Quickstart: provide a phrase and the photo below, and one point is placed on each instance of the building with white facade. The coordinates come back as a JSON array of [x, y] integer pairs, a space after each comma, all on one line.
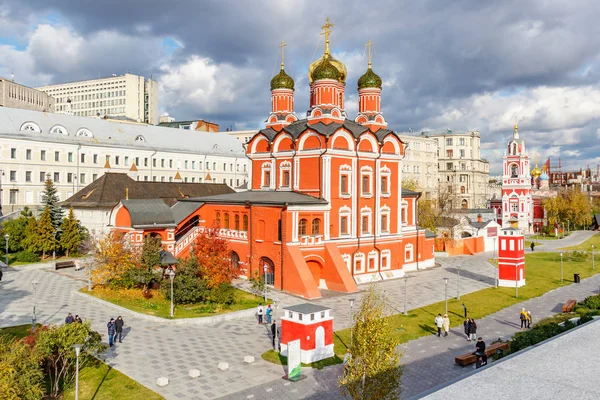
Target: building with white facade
[[129, 96], [420, 164], [14, 95], [74, 151], [461, 169]]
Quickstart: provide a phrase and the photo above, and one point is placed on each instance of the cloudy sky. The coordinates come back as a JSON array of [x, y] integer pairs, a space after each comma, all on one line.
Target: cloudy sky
[[456, 65]]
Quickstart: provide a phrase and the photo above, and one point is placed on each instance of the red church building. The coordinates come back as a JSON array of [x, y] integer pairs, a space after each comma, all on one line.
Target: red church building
[[325, 207]]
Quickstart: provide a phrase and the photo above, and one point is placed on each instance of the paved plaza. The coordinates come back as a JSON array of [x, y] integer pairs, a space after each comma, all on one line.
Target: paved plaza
[[150, 350]]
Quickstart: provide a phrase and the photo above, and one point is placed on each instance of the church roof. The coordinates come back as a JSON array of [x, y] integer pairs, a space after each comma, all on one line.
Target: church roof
[[262, 197], [149, 213], [295, 129], [93, 131], [110, 188]]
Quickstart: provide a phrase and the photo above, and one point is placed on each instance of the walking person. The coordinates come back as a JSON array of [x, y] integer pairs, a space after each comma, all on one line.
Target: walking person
[[111, 331], [467, 326], [532, 246], [439, 322], [529, 319], [446, 324], [472, 329], [119, 328], [260, 311], [69, 319], [269, 314], [274, 332], [347, 358], [523, 318]]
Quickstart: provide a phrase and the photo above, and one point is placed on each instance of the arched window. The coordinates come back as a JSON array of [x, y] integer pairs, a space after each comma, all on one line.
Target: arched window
[[365, 224], [302, 227], [226, 222], [464, 204], [316, 226], [514, 171], [245, 223], [384, 223], [514, 149], [236, 222], [218, 219], [235, 260], [344, 225]]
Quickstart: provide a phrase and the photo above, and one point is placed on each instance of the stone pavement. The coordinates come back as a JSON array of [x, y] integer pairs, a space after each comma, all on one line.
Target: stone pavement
[[150, 350], [575, 238]]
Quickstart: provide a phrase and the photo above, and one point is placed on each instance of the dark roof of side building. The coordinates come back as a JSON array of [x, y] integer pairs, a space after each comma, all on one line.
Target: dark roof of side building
[[306, 308], [149, 213], [261, 197], [111, 188], [183, 209]]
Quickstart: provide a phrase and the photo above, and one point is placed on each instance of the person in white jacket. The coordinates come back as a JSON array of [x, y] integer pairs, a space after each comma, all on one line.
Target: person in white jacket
[[439, 322]]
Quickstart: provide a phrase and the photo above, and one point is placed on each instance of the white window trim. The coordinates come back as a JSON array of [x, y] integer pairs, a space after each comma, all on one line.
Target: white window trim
[[366, 171], [285, 166], [345, 212], [372, 256], [366, 212], [409, 248], [347, 171], [386, 255], [359, 257], [385, 210], [404, 210], [385, 172], [266, 167]]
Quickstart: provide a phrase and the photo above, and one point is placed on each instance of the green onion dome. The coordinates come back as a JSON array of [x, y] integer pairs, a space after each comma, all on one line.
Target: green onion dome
[[325, 70], [282, 81], [369, 80]]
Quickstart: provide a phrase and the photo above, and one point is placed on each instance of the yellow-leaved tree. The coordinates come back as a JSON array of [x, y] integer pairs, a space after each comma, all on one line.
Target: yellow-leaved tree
[[113, 257], [374, 370]]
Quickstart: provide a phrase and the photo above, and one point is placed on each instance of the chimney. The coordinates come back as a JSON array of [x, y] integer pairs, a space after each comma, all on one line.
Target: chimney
[[126, 193]]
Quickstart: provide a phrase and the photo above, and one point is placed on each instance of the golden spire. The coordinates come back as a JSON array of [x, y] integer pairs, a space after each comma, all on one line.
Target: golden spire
[[369, 45], [516, 125], [326, 31], [281, 46]]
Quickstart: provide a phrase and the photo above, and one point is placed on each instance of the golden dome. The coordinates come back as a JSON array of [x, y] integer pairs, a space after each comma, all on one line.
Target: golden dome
[[327, 55], [536, 171]]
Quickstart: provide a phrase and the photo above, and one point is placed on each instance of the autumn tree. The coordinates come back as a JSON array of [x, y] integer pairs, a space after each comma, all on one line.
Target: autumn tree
[[70, 240], [50, 201], [213, 256], [29, 241], [45, 241], [410, 184], [21, 377], [374, 371], [149, 259], [113, 258], [55, 347], [568, 205]]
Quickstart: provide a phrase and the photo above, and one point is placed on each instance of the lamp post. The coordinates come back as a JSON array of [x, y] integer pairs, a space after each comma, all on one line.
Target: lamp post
[[458, 282], [496, 269], [54, 249], [276, 303], [351, 301], [561, 267], [6, 238], [446, 293], [77, 348], [265, 282], [405, 294], [592, 257], [516, 281], [171, 277], [33, 317]]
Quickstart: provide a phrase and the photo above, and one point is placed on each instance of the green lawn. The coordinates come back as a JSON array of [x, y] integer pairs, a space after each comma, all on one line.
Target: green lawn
[[273, 357], [98, 381], [587, 245], [159, 306], [542, 274]]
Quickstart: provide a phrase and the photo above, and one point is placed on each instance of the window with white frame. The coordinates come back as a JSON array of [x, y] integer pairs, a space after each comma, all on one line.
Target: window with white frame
[[359, 263], [284, 174], [372, 261], [404, 213], [365, 218], [385, 219], [345, 213], [345, 176], [366, 175], [266, 175], [386, 260], [408, 253], [385, 181]]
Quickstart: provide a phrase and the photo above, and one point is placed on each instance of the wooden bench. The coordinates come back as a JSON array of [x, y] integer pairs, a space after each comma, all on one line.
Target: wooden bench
[[470, 358], [64, 264], [568, 306]]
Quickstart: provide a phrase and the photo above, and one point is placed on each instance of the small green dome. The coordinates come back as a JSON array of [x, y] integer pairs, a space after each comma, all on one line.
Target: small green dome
[[325, 70], [282, 81], [369, 80]]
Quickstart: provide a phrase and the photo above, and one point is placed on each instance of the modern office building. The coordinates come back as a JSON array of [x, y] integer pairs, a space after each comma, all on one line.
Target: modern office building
[[14, 95], [462, 171], [74, 151], [128, 96]]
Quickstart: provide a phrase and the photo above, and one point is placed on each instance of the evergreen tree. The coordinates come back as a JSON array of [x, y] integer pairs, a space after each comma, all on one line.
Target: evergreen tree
[[46, 234], [151, 252], [16, 230], [70, 239], [29, 241], [50, 201]]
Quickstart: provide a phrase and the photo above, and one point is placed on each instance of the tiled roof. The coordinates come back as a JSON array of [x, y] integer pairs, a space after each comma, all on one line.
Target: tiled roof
[[149, 212], [261, 197], [297, 128], [306, 308]]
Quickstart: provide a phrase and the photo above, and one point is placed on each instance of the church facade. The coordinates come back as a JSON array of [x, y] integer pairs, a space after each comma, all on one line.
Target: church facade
[[325, 207]]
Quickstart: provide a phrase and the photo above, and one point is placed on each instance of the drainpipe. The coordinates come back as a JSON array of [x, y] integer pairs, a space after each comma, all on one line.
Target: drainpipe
[[249, 207], [285, 206], [358, 232], [375, 210]]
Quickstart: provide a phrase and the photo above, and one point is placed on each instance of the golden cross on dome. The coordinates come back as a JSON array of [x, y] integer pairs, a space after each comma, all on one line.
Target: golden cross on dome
[[516, 124], [326, 31], [369, 45], [281, 46]]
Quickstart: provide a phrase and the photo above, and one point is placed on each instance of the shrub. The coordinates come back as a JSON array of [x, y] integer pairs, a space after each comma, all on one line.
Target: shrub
[[544, 329], [578, 255], [584, 318], [222, 294], [591, 302], [27, 256], [187, 288]]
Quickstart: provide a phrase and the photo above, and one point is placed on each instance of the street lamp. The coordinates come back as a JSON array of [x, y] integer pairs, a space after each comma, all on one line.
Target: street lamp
[[276, 341], [405, 294], [561, 266], [351, 301], [33, 318], [446, 293], [77, 348], [171, 274], [458, 282], [592, 257], [496, 269], [516, 281], [6, 237], [265, 282]]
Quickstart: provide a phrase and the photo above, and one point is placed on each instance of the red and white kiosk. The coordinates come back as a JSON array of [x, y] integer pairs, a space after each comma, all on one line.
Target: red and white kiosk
[[511, 258], [313, 326]]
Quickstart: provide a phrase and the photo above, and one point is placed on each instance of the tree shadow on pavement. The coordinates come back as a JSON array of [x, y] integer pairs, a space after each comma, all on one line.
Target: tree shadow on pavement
[[465, 273]]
